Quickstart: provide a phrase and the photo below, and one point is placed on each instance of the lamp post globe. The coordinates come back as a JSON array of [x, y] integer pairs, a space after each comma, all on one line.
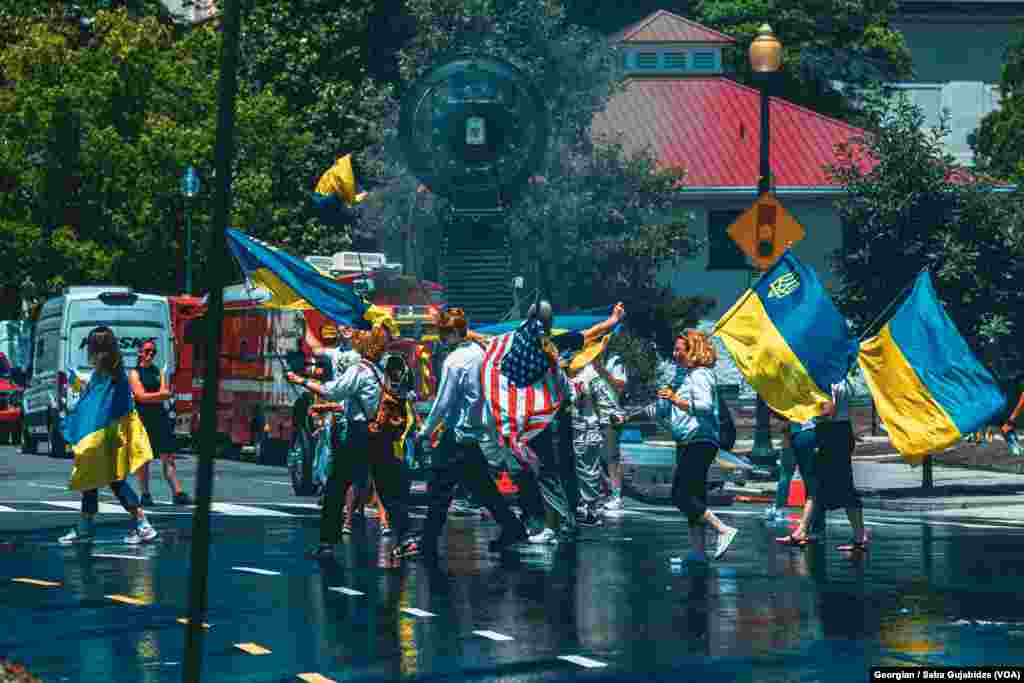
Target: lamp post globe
[[765, 51]]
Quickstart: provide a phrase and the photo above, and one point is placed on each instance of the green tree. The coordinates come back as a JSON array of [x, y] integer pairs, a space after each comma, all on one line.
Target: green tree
[[825, 42], [907, 206], [996, 143], [597, 225]]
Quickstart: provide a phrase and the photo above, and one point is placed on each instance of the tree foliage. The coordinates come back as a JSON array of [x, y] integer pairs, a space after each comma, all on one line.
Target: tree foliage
[[997, 142], [596, 225], [825, 43], [907, 206]]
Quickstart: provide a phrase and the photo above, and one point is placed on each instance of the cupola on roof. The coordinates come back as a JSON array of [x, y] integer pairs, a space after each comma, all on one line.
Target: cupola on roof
[[665, 27]]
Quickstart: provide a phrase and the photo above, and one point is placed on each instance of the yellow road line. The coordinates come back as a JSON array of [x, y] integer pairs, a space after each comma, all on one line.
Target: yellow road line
[[183, 620], [252, 648], [38, 582], [126, 599]]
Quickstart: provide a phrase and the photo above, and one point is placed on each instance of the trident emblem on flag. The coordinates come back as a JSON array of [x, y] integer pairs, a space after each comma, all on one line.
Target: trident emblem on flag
[[784, 285]]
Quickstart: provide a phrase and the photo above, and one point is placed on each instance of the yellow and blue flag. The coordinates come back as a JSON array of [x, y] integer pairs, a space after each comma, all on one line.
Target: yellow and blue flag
[[106, 434], [789, 340], [929, 389], [337, 189], [295, 284]]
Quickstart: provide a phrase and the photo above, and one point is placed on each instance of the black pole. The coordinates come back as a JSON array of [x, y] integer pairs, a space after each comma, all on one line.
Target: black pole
[[218, 267], [762, 429], [926, 473]]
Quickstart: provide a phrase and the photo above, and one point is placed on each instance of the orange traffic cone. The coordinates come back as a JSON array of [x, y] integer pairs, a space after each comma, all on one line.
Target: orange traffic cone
[[797, 492], [505, 484]]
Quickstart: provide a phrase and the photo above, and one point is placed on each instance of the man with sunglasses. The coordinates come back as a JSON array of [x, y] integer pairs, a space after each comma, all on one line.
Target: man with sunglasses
[[149, 386]]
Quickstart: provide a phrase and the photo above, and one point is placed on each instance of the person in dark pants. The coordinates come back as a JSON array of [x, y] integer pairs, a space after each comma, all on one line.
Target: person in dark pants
[[368, 442], [459, 405], [690, 407], [835, 467], [149, 386]]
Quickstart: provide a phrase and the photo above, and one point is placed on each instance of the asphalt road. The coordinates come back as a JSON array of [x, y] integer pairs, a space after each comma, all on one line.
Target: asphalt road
[[611, 605]]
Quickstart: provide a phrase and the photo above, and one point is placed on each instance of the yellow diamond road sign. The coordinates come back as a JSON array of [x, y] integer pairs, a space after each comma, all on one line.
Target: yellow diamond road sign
[[763, 231]]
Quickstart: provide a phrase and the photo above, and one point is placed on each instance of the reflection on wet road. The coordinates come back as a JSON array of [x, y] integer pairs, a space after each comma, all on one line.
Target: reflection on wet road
[[611, 604]]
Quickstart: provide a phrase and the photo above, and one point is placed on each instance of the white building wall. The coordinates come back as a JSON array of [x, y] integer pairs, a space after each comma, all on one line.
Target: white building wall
[[823, 236]]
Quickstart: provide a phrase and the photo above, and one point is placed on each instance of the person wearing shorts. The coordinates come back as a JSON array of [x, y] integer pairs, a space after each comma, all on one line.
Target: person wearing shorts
[[804, 448]]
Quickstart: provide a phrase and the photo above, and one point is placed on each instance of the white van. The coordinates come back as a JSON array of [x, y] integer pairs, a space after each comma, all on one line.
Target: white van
[[59, 351]]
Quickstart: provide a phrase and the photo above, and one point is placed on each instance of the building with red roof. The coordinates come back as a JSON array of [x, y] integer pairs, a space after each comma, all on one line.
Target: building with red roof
[[678, 103]]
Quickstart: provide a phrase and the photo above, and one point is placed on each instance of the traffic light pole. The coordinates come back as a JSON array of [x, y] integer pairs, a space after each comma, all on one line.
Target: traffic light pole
[[762, 429], [219, 267]]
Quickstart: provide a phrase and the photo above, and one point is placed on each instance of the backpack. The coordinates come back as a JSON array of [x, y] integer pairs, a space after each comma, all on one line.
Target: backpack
[[726, 425], [390, 419]]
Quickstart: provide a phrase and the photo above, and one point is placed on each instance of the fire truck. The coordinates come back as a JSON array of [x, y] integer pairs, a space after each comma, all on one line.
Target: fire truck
[[260, 345]]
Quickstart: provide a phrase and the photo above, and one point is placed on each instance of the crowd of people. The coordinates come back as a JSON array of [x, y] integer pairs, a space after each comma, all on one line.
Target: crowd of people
[[567, 452]]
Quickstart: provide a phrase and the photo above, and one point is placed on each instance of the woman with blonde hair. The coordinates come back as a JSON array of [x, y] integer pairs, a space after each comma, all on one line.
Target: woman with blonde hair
[[689, 406]]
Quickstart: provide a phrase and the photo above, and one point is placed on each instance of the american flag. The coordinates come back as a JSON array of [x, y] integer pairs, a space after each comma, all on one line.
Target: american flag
[[517, 413]]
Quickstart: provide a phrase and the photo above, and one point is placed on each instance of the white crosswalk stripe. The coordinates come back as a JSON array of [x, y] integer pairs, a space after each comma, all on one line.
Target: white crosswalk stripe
[[232, 509]]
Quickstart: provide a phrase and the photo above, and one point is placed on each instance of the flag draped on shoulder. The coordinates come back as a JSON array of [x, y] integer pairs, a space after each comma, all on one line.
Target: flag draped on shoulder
[[295, 284], [522, 397], [928, 387], [789, 340], [336, 189], [106, 434]]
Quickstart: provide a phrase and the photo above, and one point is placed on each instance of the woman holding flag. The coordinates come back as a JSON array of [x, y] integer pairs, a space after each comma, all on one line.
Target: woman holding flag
[[109, 440]]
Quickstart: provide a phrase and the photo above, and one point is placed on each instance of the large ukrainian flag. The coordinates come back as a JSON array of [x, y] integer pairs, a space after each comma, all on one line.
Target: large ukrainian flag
[[106, 434], [295, 284], [335, 190], [928, 387], [789, 341]]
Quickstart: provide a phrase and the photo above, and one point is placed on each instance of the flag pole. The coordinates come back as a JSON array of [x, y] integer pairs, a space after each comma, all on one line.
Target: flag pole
[[899, 298], [200, 551]]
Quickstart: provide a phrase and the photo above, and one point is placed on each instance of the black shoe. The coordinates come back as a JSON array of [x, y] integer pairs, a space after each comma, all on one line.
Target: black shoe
[[507, 539], [589, 520], [146, 500], [182, 499]]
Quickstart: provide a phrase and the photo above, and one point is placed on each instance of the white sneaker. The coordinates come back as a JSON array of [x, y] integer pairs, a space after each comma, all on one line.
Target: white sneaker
[[614, 505], [142, 534], [75, 536], [542, 537], [724, 541]]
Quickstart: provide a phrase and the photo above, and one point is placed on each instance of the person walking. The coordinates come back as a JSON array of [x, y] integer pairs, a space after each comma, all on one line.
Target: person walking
[[108, 440], [150, 389], [690, 408], [460, 460], [835, 465], [803, 442], [375, 413], [611, 371]]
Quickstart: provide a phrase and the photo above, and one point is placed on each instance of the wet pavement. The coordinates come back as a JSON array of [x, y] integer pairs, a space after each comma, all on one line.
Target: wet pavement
[[608, 606]]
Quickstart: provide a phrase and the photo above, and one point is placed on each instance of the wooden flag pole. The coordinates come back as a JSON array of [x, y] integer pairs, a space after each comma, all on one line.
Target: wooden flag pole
[[218, 267]]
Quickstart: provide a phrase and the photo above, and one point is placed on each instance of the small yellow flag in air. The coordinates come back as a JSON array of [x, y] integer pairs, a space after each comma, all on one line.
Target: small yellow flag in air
[[340, 181]]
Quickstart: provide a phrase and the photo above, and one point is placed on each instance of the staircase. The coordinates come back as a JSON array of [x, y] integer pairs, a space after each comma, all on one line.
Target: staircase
[[476, 269]]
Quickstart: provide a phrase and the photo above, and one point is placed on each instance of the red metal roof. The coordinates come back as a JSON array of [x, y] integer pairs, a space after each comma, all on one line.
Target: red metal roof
[[666, 27], [712, 128]]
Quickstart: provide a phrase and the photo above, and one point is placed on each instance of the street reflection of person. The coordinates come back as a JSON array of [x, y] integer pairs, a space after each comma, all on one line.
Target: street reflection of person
[[835, 466], [99, 460], [149, 386], [364, 393], [459, 459], [689, 406], [532, 357]]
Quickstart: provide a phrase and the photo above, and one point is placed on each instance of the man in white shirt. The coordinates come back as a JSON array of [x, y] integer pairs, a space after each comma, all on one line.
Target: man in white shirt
[[360, 389], [611, 371], [460, 460]]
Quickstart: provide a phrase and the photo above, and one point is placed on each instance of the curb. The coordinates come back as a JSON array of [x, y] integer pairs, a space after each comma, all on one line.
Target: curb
[[938, 505]]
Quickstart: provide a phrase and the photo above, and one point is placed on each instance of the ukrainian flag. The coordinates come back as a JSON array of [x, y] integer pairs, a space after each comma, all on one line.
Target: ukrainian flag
[[295, 284], [928, 387], [336, 189], [105, 433], [789, 341]]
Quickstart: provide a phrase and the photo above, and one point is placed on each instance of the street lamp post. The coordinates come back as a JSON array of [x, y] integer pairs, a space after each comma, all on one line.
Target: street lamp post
[[189, 189], [765, 61]]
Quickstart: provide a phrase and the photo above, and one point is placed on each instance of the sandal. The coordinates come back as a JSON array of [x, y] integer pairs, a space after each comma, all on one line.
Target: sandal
[[854, 546]]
